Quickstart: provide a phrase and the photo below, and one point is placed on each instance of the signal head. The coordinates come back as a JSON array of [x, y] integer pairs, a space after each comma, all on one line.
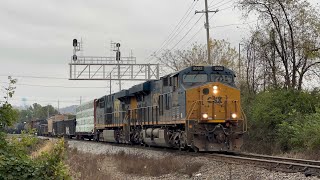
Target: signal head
[[75, 42]]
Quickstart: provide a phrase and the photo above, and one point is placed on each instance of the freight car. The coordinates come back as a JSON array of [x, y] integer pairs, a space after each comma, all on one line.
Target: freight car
[[43, 130], [64, 128], [85, 120], [51, 120], [196, 108]]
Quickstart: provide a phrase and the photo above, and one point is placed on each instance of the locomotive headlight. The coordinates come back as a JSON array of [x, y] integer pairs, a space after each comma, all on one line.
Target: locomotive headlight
[[205, 116], [215, 89], [234, 115]]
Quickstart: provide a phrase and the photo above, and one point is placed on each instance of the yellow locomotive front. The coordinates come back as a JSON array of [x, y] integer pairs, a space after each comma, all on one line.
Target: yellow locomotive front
[[215, 121]]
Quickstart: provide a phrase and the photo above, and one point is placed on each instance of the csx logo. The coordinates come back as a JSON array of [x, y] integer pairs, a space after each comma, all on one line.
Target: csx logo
[[216, 100]]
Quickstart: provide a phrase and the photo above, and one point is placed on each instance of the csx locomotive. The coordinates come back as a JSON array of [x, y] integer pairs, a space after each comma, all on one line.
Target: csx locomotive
[[196, 108]]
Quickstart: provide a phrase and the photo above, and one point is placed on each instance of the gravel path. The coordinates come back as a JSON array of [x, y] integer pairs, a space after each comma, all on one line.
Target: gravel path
[[211, 169]]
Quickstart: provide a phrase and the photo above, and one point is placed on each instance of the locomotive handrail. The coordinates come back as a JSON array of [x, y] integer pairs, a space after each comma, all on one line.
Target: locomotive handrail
[[192, 105], [245, 127]]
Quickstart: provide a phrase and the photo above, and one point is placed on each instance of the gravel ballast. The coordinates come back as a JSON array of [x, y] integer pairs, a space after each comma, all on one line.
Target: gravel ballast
[[211, 168]]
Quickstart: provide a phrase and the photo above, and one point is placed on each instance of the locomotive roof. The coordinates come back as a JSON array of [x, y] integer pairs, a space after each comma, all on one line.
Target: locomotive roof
[[206, 69], [146, 85]]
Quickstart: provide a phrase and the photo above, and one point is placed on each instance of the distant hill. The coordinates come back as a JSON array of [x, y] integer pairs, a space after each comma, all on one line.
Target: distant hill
[[69, 109], [20, 107]]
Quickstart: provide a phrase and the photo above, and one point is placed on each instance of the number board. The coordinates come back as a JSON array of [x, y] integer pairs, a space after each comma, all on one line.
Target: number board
[[197, 68], [218, 68]]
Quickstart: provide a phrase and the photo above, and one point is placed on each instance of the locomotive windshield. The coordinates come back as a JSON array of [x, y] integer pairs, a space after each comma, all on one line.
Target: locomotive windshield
[[195, 78], [223, 78]]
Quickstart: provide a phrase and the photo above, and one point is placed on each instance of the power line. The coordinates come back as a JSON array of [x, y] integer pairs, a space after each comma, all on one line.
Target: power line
[[158, 51], [187, 32], [226, 25], [220, 4], [48, 98], [216, 3], [47, 86], [226, 8], [36, 77], [177, 27], [192, 28], [195, 34], [174, 37], [35, 100]]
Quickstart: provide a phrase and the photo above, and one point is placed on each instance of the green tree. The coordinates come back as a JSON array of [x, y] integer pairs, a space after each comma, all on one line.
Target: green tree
[[283, 50], [8, 115], [222, 54], [36, 111], [279, 120]]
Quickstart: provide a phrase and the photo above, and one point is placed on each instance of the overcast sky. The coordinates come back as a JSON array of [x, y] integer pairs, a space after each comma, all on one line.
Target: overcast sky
[[36, 39]]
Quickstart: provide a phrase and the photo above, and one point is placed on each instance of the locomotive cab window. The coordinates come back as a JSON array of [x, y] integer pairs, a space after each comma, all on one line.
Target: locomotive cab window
[[223, 78], [101, 104], [175, 83], [195, 78]]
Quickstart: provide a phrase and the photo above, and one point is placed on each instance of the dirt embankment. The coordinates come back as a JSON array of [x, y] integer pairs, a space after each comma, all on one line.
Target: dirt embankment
[[88, 160]]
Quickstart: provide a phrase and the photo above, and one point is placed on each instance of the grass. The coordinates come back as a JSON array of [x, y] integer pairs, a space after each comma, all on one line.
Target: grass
[[141, 165], [85, 165], [312, 155], [93, 166], [44, 146]]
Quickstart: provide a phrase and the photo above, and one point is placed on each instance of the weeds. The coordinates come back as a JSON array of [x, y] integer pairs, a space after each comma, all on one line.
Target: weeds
[[91, 166], [141, 165], [85, 165]]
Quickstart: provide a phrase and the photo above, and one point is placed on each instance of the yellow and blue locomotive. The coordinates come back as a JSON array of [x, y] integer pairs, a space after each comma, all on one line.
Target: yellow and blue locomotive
[[196, 108]]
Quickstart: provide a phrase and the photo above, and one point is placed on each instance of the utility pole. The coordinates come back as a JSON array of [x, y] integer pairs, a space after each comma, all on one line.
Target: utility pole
[[48, 111], [58, 106], [240, 60], [206, 25], [110, 84], [80, 99]]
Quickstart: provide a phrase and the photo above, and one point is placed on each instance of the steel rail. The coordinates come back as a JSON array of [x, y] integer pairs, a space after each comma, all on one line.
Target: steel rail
[[278, 158], [277, 163], [272, 163]]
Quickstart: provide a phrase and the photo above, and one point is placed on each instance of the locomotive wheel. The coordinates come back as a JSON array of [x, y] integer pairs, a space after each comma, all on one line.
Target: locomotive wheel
[[195, 149]]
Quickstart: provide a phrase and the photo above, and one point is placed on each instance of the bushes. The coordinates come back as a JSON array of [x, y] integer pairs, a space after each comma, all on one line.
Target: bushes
[[283, 120], [16, 163]]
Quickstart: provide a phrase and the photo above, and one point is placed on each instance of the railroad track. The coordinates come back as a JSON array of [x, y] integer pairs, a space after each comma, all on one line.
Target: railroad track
[[275, 163]]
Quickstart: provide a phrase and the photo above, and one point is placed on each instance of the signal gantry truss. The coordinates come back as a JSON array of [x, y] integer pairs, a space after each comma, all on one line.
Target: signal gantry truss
[[108, 68]]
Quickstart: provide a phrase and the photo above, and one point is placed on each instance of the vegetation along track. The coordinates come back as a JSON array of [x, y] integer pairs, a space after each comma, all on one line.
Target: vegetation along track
[[275, 163]]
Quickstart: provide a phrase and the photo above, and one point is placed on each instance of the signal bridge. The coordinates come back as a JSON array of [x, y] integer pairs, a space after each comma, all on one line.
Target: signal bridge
[[107, 68], [110, 68]]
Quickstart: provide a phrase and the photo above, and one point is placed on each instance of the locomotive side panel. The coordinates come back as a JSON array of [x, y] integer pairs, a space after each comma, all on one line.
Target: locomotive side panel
[[100, 112], [198, 108]]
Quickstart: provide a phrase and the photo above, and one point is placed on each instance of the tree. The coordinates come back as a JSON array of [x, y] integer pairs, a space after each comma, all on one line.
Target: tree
[[222, 54], [36, 111], [8, 115], [286, 42]]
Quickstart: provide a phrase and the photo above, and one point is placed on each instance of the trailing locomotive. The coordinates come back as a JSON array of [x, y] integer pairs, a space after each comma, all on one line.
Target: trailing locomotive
[[196, 108]]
